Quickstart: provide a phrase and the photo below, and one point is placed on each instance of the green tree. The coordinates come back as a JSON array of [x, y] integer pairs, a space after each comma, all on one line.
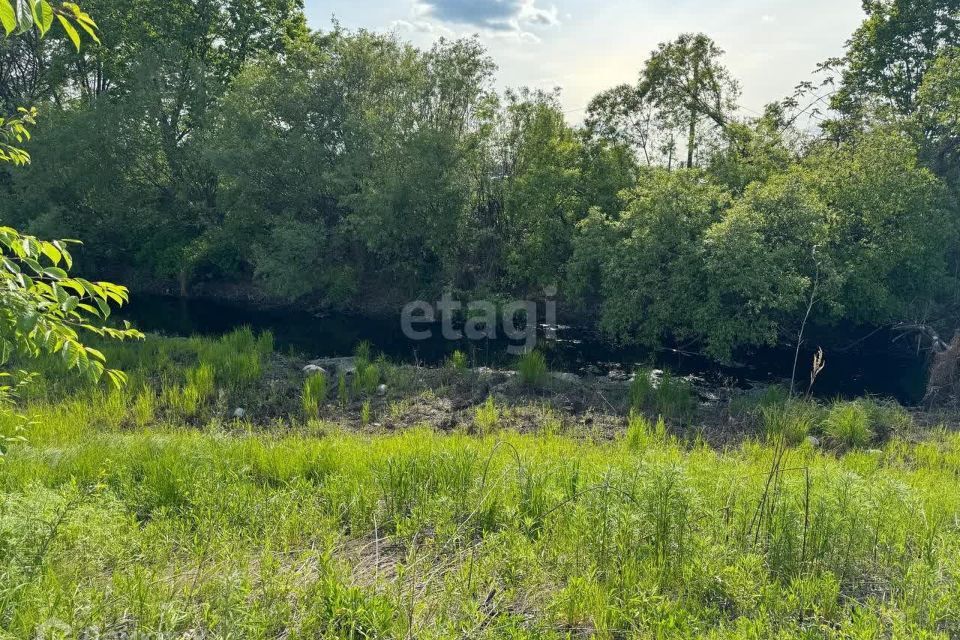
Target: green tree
[[685, 81], [42, 309], [889, 54]]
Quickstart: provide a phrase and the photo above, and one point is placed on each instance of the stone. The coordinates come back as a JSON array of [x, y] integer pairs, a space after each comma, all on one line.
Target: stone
[[347, 366], [382, 390], [312, 370], [239, 413], [563, 376], [813, 441]]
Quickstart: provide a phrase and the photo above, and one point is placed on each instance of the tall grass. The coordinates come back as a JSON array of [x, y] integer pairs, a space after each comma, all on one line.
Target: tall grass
[[157, 528], [410, 534], [314, 394], [671, 397], [848, 424], [532, 369]]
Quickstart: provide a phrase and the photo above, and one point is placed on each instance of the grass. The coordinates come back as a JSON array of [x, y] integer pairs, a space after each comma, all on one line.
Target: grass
[[532, 369], [458, 361], [670, 396], [120, 519], [314, 394], [848, 424]]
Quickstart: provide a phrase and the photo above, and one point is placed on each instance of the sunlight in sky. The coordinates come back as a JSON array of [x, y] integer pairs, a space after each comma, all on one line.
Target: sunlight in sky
[[586, 47]]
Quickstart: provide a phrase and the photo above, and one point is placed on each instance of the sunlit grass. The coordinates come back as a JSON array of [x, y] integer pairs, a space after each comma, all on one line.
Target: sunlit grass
[[122, 515]]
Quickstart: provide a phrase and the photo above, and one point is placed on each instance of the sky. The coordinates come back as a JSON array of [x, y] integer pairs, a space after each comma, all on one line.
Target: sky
[[586, 47]]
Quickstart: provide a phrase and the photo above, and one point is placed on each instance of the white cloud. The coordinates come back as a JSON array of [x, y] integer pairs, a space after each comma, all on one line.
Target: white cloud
[[508, 19]]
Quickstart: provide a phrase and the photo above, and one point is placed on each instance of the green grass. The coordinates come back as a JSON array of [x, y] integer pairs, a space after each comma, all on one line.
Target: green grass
[[118, 517], [458, 361], [314, 394], [532, 369], [848, 424], [670, 397]]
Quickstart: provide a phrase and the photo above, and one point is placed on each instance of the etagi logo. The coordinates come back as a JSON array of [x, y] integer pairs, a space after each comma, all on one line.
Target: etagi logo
[[518, 319]]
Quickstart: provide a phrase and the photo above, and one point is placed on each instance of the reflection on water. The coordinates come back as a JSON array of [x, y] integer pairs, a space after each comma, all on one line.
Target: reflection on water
[[872, 366]]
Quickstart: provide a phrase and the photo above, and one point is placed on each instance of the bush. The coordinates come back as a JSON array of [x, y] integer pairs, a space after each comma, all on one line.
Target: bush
[[314, 394], [848, 424], [532, 368]]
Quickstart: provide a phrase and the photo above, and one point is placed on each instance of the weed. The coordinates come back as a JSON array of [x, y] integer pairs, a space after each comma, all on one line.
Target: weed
[[458, 361], [144, 407], [792, 420], [487, 416], [672, 398], [532, 368], [314, 394], [848, 424]]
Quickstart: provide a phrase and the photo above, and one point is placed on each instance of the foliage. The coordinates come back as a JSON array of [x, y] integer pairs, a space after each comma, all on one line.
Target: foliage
[[314, 394], [666, 396], [353, 170], [532, 369], [44, 310], [848, 424], [748, 541]]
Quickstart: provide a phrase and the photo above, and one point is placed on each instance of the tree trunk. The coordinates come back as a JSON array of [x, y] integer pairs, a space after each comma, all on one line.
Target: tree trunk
[[695, 93]]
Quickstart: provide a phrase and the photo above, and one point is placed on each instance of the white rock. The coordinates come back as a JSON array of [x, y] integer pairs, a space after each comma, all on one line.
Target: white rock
[[565, 377], [382, 390], [239, 413], [813, 441], [312, 369]]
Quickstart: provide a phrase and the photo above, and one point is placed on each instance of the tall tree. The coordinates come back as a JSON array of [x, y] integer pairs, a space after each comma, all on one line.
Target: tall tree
[[686, 82], [890, 53]]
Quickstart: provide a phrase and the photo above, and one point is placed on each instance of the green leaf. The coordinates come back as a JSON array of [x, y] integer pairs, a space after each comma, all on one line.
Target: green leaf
[[56, 273], [8, 17], [43, 16], [71, 31], [24, 16], [90, 31]]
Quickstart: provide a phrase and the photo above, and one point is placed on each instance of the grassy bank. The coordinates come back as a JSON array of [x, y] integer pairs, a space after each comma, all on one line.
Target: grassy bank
[[152, 511]]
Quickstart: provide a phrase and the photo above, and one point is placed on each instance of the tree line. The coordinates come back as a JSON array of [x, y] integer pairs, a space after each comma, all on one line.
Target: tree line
[[221, 144]]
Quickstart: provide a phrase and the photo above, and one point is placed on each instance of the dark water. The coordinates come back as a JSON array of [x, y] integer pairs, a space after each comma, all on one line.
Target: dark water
[[867, 363]]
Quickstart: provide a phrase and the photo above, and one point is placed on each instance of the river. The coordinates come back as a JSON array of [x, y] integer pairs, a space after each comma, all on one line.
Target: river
[[868, 364]]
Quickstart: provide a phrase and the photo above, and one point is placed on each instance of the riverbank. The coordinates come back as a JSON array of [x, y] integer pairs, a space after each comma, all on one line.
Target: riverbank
[[208, 499]]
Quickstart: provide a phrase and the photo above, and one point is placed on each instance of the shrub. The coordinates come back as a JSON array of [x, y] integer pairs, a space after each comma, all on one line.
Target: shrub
[[314, 394], [848, 424], [532, 368], [365, 413]]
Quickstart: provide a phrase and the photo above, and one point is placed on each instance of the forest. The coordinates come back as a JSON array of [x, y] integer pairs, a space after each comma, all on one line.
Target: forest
[[184, 486], [222, 148]]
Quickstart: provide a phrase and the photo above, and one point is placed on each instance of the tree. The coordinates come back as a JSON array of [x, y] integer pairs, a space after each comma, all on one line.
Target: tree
[[686, 83], [889, 54], [42, 309]]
